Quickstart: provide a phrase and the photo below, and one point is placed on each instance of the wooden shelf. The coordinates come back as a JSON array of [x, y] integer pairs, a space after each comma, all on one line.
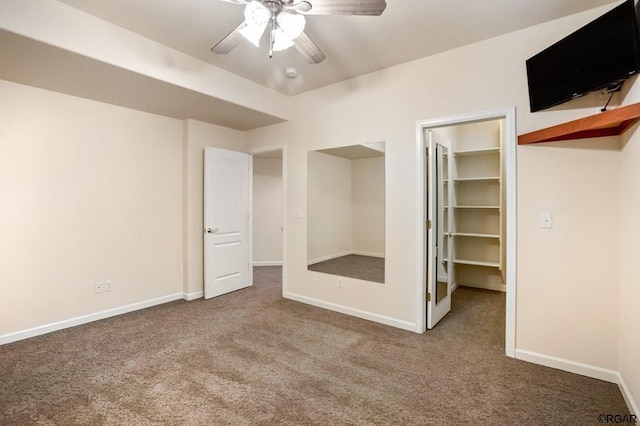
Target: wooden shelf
[[610, 123]]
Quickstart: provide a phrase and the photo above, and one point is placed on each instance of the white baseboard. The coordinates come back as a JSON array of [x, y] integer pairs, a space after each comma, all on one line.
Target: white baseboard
[[193, 295], [405, 325], [487, 286], [366, 253], [344, 253], [267, 263], [628, 398], [72, 322], [584, 370], [329, 257], [570, 366]]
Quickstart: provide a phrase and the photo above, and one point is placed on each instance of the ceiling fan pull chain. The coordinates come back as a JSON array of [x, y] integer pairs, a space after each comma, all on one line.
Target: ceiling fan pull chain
[[271, 40]]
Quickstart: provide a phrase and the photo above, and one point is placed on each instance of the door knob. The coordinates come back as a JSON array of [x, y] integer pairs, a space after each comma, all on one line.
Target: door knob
[[211, 231]]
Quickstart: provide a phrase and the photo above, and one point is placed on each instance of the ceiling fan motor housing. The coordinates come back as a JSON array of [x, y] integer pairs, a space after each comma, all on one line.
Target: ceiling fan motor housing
[[274, 6]]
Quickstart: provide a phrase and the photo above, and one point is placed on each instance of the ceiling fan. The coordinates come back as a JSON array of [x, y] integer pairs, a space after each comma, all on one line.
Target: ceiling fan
[[285, 20]]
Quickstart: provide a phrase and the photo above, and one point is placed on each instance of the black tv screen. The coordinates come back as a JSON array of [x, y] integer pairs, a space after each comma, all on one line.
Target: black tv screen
[[601, 54]]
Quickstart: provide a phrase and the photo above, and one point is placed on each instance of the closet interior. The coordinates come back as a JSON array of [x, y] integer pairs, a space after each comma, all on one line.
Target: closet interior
[[474, 207]]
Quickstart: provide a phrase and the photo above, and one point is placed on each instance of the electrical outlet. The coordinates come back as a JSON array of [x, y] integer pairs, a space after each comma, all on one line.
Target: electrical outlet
[[108, 285], [261, 249], [339, 283], [546, 221], [100, 287]]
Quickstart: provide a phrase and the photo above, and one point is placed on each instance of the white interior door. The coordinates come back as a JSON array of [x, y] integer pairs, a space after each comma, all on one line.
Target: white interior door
[[226, 221], [439, 240]]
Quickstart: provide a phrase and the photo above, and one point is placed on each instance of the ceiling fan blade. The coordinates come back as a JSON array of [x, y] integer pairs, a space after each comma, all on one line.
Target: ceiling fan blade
[[346, 7], [298, 6], [230, 41], [309, 49], [237, 1]]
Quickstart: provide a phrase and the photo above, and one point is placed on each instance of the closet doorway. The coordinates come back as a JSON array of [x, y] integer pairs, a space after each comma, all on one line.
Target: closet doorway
[[467, 202]]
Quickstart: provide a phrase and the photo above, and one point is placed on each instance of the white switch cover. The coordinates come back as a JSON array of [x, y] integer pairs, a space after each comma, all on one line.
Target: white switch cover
[[546, 221], [299, 213]]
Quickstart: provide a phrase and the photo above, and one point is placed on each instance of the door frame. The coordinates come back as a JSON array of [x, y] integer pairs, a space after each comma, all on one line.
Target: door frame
[[262, 150], [509, 157]]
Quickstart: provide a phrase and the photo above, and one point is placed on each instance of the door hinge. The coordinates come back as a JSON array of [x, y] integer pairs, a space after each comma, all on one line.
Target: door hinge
[[428, 297], [428, 224]]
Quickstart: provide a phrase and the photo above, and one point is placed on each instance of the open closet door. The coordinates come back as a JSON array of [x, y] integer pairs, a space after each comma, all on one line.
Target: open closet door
[[439, 240]]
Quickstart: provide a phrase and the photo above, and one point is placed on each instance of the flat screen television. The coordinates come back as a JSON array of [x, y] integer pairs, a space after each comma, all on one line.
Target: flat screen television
[[601, 54]]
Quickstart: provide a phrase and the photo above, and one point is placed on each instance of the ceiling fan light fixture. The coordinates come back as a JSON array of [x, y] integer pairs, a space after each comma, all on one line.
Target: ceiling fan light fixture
[[253, 34], [256, 16], [288, 27], [286, 23], [292, 25], [280, 40]]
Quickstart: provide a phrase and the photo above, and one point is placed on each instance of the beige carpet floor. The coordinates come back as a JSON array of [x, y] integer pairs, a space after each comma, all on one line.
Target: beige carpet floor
[[253, 358]]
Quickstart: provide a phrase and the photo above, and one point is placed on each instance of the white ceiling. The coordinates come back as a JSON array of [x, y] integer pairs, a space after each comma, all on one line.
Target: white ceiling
[[353, 152], [354, 45]]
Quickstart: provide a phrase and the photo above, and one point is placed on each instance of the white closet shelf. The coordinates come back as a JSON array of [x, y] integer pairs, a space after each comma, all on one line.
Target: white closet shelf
[[493, 150], [475, 235], [477, 263], [478, 179], [477, 207]]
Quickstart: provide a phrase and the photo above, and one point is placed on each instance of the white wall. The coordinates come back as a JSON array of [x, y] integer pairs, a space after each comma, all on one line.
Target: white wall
[[482, 134], [367, 206], [328, 207], [197, 135], [486, 76], [629, 234], [88, 192], [267, 211], [92, 192], [560, 269], [346, 211]]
